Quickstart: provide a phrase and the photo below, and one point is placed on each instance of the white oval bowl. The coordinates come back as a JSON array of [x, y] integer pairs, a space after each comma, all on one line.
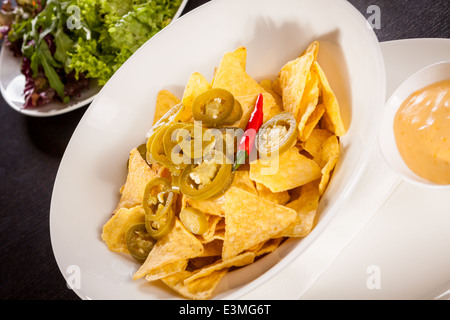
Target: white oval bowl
[[430, 74], [274, 32]]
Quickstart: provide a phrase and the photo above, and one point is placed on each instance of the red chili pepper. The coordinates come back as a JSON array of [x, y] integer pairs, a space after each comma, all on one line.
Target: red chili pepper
[[248, 139]]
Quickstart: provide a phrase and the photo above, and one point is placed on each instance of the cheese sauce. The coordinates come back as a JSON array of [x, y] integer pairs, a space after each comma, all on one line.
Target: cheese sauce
[[422, 132]]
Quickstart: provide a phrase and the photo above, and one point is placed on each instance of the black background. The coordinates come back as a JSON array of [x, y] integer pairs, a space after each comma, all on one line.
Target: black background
[[31, 150]]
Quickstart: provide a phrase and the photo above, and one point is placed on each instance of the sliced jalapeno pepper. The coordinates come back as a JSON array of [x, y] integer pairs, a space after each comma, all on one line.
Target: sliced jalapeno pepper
[[213, 106], [277, 135], [172, 150], [158, 198], [158, 203], [171, 116], [190, 139], [235, 115], [207, 179], [194, 220], [139, 242], [162, 226]]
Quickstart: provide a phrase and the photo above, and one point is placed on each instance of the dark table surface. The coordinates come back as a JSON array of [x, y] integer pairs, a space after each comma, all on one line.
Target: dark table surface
[[31, 150]]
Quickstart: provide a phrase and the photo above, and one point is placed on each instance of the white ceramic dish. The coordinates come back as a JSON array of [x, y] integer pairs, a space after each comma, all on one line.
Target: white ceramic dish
[[12, 84], [274, 32], [428, 75]]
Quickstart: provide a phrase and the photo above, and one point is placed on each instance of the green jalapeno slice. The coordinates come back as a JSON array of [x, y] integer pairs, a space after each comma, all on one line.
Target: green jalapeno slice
[[205, 180], [158, 198], [173, 152], [277, 135], [139, 242], [235, 115], [191, 142], [161, 227], [213, 106], [158, 203]]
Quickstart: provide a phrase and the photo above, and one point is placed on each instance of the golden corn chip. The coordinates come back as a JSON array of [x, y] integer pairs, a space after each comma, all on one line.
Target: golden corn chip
[[241, 55], [277, 87], [196, 85], [115, 229], [214, 206], [237, 261], [242, 180], [328, 159], [313, 144], [309, 100], [306, 207], [269, 246], [202, 262], [287, 171], [250, 220], [312, 122], [212, 249], [268, 85], [276, 197], [139, 174], [213, 220], [178, 245], [164, 102], [166, 270], [332, 118], [293, 79], [200, 289], [231, 75]]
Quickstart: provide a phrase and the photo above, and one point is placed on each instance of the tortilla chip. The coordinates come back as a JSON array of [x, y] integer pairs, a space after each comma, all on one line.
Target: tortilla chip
[[250, 220], [178, 245], [166, 270], [231, 76], [164, 102], [200, 289], [237, 261], [306, 208], [332, 118], [309, 100], [241, 55], [213, 220], [293, 78], [327, 159], [196, 85], [312, 122], [268, 85], [214, 206], [114, 231], [287, 171], [269, 246], [212, 249], [276, 197], [315, 141], [139, 174]]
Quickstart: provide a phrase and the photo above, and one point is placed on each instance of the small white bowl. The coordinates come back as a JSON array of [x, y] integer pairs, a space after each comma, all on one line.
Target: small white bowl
[[426, 76]]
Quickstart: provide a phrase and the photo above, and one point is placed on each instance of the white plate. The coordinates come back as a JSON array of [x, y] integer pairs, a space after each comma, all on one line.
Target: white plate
[[274, 32], [12, 84]]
